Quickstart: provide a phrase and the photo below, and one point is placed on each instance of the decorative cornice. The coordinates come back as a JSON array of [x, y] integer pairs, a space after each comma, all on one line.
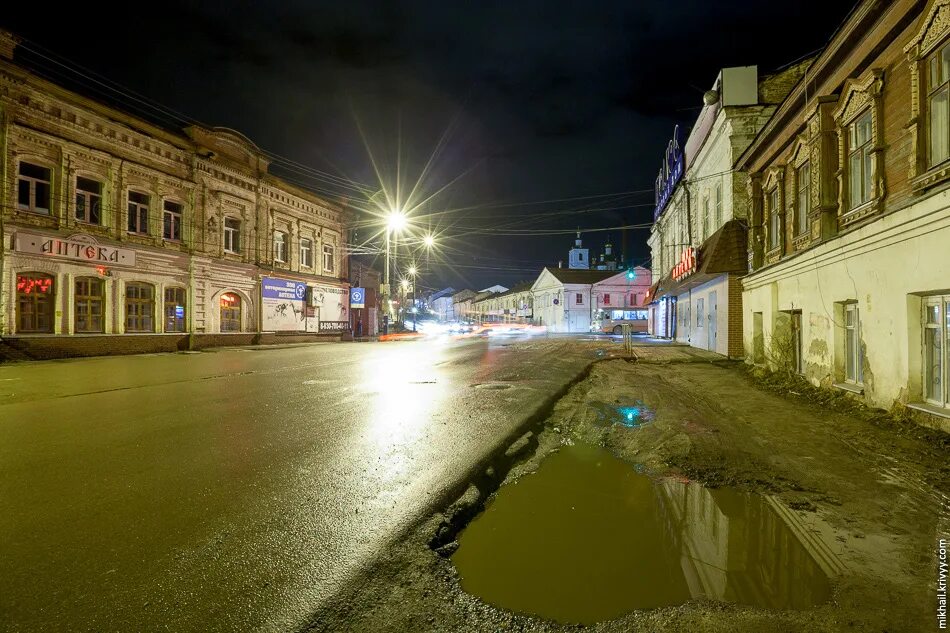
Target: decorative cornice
[[933, 29], [858, 95]]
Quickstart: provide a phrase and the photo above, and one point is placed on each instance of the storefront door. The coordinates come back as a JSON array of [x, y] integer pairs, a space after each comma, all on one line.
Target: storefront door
[[711, 330]]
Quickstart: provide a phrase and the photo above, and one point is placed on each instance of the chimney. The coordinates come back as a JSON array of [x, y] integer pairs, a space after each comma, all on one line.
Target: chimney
[[560, 263], [8, 43]]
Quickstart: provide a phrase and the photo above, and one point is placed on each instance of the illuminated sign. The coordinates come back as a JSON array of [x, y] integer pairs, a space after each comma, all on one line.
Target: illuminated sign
[[686, 265], [80, 246], [228, 300], [674, 163], [33, 285], [357, 297]]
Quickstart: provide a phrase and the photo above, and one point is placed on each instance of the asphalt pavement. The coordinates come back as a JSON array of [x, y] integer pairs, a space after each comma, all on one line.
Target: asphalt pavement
[[238, 489]]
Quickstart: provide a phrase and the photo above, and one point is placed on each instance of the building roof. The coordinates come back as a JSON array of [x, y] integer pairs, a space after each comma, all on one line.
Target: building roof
[[724, 252], [445, 292], [579, 276]]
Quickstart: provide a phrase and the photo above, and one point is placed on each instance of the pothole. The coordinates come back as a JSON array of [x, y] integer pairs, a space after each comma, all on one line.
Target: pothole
[[587, 538], [492, 385]]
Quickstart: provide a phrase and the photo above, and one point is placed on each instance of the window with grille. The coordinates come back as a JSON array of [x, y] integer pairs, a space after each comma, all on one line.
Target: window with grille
[[88, 303], [174, 309], [138, 212], [33, 188], [88, 200], [34, 302], [139, 307], [230, 312]]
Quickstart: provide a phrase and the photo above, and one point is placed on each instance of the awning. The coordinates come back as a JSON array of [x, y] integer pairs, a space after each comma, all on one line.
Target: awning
[[724, 252]]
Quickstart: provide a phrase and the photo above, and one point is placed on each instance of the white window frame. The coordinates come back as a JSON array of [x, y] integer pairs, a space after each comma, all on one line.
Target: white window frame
[[138, 207], [940, 331], [861, 154], [306, 252], [938, 86], [232, 236], [328, 257], [280, 247], [89, 199], [854, 359], [176, 213], [578, 298], [33, 182]]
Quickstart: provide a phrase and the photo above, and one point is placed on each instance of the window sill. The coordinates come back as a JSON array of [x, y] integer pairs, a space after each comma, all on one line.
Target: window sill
[[931, 177], [850, 387], [860, 212], [932, 409]]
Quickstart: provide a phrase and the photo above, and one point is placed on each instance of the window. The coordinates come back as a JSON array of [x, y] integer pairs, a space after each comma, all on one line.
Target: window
[[171, 221], [232, 235], [138, 212], [854, 360], [774, 220], [580, 257], [938, 101], [306, 253], [88, 200], [578, 298], [705, 218], [936, 324], [328, 258], [859, 160], [700, 311], [88, 303], [718, 205], [797, 364], [230, 312], [607, 299], [34, 302], [280, 247], [803, 187], [33, 188], [174, 309], [139, 307]]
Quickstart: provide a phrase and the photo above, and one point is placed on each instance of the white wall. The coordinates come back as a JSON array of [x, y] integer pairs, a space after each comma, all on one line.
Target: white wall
[[687, 304], [886, 267]]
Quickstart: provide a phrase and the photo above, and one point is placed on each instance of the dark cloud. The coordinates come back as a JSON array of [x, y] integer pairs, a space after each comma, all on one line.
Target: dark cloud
[[542, 99]]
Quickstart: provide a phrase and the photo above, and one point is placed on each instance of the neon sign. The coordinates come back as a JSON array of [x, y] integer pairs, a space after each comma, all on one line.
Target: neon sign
[[228, 300], [686, 265], [671, 172], [33, 285]]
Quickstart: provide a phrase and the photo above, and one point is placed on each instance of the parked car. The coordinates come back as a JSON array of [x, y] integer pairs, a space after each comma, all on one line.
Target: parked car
[[612, 321]]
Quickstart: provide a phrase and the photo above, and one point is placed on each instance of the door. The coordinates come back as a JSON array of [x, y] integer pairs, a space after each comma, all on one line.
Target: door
[[711, 330]]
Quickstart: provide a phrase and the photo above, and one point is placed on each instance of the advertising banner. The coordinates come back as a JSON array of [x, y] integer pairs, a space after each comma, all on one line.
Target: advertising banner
[[284, 305]]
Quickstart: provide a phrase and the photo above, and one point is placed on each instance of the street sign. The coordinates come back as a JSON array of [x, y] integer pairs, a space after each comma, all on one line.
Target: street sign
[[357, 297]]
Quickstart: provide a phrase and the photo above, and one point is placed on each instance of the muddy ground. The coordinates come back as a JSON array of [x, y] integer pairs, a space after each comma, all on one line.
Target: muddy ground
[[868, 490]]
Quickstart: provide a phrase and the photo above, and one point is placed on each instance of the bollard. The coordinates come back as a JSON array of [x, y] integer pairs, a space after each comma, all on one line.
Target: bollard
[[627, 330]]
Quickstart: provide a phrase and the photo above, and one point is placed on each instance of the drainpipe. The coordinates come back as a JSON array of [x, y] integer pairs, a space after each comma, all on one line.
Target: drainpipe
[[4, 190], [689, 239]]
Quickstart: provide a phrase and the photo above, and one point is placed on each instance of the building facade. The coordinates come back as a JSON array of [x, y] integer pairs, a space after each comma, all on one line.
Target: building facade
[[563, 300], [850, 218], [622, 296], [115, 228], [698, 237]]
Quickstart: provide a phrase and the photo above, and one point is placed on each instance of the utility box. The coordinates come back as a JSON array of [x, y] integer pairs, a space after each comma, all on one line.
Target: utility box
[[739, 86]]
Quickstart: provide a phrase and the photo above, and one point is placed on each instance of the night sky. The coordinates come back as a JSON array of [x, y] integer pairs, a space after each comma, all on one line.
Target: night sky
[[538, 116]]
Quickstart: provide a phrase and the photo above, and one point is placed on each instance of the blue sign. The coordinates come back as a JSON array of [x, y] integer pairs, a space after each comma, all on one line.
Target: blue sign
[[674, 164], [179, 312], [357, 297], [272, 288]]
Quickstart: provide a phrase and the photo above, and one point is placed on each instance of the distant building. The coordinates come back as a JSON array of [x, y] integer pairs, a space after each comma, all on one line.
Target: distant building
[[365, 321], [440, 303], [494, 289], [462, 304], [562, 298], [608, 260]]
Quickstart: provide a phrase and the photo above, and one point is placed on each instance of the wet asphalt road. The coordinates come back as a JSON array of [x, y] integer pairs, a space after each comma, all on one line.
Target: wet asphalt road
[[236, 490]]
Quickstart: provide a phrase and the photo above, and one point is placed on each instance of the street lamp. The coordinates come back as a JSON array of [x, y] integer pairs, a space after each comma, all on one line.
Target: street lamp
[[395, 221], [429, 241]]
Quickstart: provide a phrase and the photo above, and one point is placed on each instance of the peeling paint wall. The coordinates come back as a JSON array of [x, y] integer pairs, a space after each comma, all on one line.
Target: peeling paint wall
[[885, 267]]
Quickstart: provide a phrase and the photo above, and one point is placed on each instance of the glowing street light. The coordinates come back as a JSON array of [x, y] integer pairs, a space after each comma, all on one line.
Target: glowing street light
[[429, 241], [396, 220], [412, 272]]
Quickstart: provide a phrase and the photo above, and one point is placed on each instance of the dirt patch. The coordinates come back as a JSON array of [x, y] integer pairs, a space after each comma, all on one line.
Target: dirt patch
[[866, 490]]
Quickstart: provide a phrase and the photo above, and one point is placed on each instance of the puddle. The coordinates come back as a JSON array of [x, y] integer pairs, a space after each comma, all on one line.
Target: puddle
[[587, 538], [630, 416]]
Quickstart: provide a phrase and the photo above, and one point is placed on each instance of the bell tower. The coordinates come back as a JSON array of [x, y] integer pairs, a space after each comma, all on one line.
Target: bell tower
[[579, 257]]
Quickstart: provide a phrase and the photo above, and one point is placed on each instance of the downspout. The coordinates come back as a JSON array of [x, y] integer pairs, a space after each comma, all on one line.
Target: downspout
[[689, 240], [4, 190]]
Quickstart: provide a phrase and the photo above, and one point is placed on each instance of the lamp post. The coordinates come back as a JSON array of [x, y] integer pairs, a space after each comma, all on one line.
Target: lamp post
[[412, 275], [395, 221]]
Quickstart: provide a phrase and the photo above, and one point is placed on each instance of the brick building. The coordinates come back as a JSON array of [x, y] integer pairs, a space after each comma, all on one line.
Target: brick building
[[850, 217], [120, 236]]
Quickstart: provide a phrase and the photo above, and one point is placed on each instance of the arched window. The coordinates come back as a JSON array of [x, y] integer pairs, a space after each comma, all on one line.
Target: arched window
[[139, 307], [88, 303], [230, 312], [174, 309], [34, 302]]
